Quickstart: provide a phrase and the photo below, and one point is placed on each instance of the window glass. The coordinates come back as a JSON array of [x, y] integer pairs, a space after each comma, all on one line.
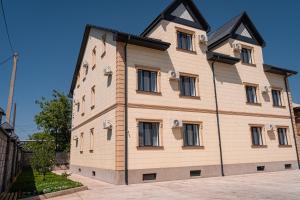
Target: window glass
[[191, 135], [276, 95], [251, 94], [184, 41], [147, 80], [148, 133], [256, 135], [282, 136], [246, 56], [187, 86]]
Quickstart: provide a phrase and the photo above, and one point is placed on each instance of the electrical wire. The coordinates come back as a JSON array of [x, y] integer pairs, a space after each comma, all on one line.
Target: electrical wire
[[6, 28]]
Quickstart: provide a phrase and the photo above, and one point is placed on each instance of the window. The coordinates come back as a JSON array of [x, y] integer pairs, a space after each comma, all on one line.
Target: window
[[191, 135], [93, 97], [184, 41], [148, 134], [246, 56], [187, 86], [149, 177], [86, 69], [83, 105], [147, 80], [282, 136], [81, 142], [92, 139], [276, 95], [94, 54], [78, 106], [103, 49], [256, 134], [251, 94]]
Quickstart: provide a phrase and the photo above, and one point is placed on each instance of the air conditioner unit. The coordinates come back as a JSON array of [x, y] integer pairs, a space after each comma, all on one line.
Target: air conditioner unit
[[173, 75], [107, 124], [237, 47], [176, 123], [85, 64], [203, 39], [265, 89], [107, 71], [269, 127]]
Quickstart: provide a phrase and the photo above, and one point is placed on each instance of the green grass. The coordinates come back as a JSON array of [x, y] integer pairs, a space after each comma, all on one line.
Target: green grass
[[31, 183]]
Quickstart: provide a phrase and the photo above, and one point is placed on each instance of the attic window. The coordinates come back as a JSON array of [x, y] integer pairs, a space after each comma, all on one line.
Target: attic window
[[246, 56], [184, 41]]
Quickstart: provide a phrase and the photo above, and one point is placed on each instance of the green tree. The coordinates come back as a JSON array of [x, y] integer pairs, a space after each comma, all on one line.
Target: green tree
[[55, 119], [43, 149]]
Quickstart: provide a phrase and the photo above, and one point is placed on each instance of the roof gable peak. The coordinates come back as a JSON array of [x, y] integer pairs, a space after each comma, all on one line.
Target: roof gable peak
[[241, 28], [182, 12]]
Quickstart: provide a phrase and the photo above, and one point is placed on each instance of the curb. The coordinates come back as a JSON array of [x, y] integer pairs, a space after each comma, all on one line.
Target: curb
[[56, 194]]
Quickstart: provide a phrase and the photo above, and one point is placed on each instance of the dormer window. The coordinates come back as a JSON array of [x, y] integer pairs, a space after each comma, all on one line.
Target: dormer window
[[184, 41], [246, 56]]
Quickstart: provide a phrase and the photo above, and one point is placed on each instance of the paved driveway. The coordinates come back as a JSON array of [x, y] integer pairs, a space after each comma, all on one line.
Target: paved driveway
[[275, 185]]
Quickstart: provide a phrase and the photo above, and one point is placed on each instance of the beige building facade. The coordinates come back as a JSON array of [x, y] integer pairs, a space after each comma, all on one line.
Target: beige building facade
[[179, 102]]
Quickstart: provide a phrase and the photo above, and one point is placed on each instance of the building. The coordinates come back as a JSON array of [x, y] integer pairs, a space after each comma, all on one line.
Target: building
[[297, 120], [179, 102]]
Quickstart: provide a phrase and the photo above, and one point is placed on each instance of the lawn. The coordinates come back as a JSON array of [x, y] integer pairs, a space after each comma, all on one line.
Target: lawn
[[30, 182]]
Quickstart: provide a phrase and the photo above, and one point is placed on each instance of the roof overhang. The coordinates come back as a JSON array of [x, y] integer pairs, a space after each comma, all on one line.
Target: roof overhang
[[222, 58], [119, 36], [278, 70]]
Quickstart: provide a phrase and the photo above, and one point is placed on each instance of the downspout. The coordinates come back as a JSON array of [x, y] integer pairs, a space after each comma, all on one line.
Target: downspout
[[218, 119], [293, 127], [126, 112]]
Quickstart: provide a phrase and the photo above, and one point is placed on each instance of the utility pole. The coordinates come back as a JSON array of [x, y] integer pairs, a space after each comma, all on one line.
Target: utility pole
[[11, 87], [14, 117]]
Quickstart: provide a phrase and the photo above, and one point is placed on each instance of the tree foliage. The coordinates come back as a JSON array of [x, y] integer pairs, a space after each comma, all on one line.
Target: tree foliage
[[43, 149], [55, 118]]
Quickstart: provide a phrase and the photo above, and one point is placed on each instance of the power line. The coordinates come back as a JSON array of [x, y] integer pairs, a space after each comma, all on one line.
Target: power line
[[6, 28], [5, 60]]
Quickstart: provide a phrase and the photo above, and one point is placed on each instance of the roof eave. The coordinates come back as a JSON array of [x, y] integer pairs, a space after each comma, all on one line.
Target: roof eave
[[218, 57], [278, 70]]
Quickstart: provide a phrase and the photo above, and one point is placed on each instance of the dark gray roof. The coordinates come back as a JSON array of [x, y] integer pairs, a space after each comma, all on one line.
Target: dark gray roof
[[278, 70], [224, 30], [2, 111], [228, 31]]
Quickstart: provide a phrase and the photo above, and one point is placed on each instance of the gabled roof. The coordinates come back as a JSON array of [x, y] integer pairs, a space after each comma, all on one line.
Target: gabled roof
[[278, 70], [198, 20], [2, 111], [228, 30], [119, 36]]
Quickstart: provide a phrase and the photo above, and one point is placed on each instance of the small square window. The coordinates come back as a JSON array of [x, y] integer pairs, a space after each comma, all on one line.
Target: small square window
[[260, 168], [195, 173], [149, 177], [288, 166]]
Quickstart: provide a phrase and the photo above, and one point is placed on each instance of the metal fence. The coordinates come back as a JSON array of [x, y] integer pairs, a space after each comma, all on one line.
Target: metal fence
[[10, 156]]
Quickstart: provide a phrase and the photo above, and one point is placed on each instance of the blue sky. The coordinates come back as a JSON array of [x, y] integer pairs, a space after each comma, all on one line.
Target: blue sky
[[47, 34]]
